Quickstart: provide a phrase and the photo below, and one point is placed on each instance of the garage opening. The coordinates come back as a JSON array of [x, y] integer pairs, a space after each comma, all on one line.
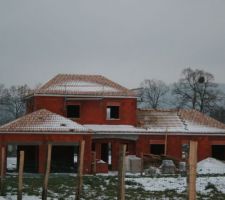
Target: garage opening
[[64, 159], [157, 149], [218, 152], [30, 157]]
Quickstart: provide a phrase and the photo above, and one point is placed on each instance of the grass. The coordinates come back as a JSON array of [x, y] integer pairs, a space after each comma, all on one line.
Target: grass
[[62, 186]]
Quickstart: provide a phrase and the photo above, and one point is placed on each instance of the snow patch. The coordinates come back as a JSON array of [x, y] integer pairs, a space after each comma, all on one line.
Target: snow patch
[[211, 166]]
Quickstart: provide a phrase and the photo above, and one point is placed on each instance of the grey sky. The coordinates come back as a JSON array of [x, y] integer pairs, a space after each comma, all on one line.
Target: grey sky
[[126, 40]]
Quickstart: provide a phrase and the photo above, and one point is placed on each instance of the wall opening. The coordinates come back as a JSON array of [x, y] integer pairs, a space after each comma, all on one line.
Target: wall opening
[[218, 152], [73, 111], [31, 153], [105, 152], [157, 149], [112, 112], [64, 159]]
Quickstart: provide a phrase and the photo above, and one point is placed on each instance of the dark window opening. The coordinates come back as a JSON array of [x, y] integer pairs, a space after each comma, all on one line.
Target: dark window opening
[[73, 111], [105, 152], [113, 112], [218, 152], [64, 159], [93, 146], [157, 149]]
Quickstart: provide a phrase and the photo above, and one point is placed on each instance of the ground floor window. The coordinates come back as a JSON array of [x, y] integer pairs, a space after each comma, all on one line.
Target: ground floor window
[[157, 149], [218, 152]]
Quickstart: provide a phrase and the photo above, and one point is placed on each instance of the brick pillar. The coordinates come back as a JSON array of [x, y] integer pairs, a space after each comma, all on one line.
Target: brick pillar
[[115, 154], [42, 158]]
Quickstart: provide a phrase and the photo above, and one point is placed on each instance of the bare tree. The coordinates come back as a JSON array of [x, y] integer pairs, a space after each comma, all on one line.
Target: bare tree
[[218, 113], [2, 91], [153, 92], [13, 101], [197, 90]]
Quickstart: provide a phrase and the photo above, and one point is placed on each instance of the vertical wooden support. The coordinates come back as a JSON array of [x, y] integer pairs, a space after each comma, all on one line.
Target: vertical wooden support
[[142, 163], [94, 163], [2, 168], [166, 139], [80, 171], [20, 184], [192, 170], [47, 171], [121, 173]]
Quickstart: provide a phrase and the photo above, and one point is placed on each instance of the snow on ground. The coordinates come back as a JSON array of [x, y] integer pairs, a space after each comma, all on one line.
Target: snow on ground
[[14, 197], [154, 184], [161, 184], [211, 166], [178, 184]]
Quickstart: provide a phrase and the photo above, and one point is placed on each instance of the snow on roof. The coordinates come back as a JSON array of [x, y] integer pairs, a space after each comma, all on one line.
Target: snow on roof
[[182, 121], [125, 129], [211, 166], [73, 84], [43, 121]]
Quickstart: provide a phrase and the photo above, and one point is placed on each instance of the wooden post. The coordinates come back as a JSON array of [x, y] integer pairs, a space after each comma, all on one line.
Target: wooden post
[[166, 138], [2, 168], [121, 174], [47, 171], [192, 170], [80, 171], [20, 185], [94, 163], [142, 163]]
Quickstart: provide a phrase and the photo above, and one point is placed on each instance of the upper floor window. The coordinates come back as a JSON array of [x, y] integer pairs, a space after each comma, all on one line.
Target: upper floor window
[[73, 111], [113, 112]]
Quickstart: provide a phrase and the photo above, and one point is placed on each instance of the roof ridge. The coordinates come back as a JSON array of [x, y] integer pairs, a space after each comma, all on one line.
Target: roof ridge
[[182, 120]]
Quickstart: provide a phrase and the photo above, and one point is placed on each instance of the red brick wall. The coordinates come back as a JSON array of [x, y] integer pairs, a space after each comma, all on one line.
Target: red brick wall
[[43, 139], [92, 111], [174, 144]]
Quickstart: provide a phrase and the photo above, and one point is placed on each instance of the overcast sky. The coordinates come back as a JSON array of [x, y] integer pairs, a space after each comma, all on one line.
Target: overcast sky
[[127, 40]]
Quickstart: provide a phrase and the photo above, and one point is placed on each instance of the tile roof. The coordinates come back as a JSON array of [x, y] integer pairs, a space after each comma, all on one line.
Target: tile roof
[[43, 121], [86, 85], [178, 121]]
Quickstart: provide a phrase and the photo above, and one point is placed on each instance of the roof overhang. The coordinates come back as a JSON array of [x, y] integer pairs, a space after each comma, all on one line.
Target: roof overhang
[[113, 136], [47, 133]]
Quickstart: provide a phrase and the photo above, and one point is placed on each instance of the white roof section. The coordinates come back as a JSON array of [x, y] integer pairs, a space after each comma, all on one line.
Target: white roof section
[[71, 86], [178, 121], [83, 85], [130, 130], [189, 127], [115, 129], [43, 121]]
